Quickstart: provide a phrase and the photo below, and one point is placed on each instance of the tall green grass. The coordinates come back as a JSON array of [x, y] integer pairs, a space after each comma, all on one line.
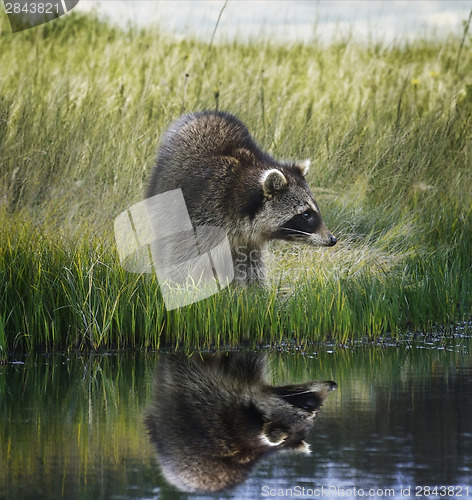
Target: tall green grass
[[82, 107]]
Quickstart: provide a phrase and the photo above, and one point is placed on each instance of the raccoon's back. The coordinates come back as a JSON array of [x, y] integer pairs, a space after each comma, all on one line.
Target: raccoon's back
[[202, 151]]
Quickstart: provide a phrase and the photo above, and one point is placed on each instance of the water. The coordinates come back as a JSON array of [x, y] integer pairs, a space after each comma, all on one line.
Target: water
[[400, 420]]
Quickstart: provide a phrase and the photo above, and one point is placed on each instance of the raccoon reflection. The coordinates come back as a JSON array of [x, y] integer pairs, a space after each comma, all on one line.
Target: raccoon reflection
[[213, 417]]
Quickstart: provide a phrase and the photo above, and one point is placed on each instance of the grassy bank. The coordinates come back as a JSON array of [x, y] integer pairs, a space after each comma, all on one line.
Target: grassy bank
[[388, 130]]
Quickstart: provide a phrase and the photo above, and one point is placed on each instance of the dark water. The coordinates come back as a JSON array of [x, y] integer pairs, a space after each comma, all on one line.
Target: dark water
[[400, 421]]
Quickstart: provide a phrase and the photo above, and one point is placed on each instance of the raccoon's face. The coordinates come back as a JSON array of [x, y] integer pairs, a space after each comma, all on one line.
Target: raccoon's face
[[292, 208]]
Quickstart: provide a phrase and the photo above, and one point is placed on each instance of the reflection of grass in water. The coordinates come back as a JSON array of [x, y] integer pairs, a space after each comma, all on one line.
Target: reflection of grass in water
[[67, 419], [83, 106], [364, 371]]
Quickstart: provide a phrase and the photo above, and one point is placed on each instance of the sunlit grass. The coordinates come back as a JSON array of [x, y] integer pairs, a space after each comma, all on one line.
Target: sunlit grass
[[388, 130]]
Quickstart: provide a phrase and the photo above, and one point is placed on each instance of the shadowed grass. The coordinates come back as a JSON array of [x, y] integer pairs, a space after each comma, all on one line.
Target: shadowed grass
[[388, 129]]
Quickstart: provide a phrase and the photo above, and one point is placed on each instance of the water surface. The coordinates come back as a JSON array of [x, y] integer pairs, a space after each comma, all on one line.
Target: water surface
[[72, 426]]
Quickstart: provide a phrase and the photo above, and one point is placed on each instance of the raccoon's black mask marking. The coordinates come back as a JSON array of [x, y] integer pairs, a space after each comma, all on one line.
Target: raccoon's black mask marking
[[307, 222], [301, 396]]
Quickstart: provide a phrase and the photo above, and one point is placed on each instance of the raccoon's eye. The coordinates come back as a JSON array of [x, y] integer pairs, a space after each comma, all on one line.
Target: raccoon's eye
[[307, 215]]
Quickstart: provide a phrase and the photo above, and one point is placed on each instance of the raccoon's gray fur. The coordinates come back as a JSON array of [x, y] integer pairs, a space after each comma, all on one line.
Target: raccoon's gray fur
[[212, 418], [229, 182]]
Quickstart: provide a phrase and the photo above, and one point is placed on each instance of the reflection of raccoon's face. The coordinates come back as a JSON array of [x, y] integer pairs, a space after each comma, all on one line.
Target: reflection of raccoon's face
[[211, 419]]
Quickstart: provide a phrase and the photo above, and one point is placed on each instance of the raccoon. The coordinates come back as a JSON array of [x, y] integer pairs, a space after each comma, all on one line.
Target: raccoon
[[229, 182], [213, 417]]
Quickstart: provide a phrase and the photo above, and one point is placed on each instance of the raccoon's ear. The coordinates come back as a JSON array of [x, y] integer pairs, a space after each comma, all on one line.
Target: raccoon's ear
[[273, 434], [303, 166], [302, 447], [273, 180]]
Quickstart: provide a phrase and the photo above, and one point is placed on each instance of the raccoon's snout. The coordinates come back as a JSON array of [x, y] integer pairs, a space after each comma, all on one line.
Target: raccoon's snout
[[307, 226], [328, 239]]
